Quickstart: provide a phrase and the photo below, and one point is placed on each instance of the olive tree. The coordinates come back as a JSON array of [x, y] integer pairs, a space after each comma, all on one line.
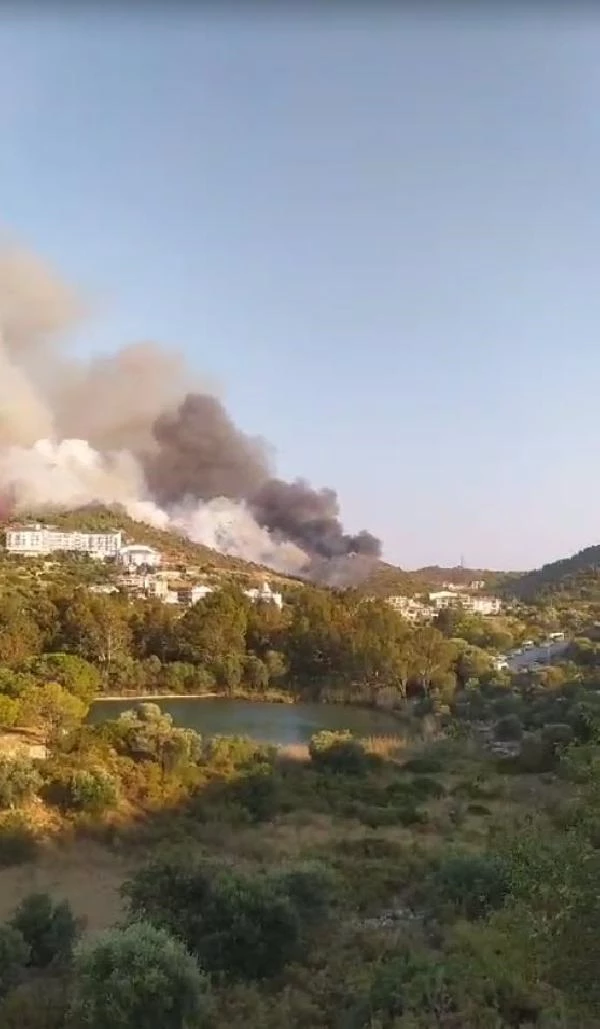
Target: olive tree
[[139, 977]]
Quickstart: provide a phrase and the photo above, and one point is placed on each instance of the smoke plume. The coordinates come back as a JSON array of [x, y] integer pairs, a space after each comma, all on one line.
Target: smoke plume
[[125, 429]]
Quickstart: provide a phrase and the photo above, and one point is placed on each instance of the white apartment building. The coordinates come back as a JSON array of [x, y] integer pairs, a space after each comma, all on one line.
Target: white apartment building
[[475, 605], [193, 594], [32, 540], [137, 555], [265, 595], [412, 609]]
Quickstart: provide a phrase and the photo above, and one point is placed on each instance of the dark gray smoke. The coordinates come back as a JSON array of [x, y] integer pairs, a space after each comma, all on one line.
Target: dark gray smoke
[[201, 454], [75, 432], [309, 518]]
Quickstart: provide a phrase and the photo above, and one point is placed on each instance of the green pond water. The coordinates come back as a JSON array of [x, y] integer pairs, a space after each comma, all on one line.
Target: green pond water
[[278, 724]]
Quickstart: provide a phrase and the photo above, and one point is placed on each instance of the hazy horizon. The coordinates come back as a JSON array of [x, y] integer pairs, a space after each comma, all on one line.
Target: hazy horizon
[[375, 234]]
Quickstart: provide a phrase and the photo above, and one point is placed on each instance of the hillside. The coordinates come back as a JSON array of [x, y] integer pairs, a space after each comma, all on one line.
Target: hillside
[[436, 575], [572, 578], [176, 549]]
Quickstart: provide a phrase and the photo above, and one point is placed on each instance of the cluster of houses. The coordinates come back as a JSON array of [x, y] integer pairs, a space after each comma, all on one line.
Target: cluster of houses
[[424, 607], [140, 563], [141, 575]]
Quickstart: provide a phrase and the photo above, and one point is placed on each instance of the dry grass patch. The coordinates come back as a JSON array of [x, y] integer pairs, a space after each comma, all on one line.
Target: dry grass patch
[[87, 875]]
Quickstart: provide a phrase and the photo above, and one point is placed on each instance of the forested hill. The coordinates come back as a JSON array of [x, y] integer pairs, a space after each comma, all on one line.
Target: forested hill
[[576, 577], [175, 548], [435, 575]]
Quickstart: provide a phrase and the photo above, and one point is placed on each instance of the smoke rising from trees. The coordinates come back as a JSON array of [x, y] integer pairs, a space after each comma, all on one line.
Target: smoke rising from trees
[[125, 428]]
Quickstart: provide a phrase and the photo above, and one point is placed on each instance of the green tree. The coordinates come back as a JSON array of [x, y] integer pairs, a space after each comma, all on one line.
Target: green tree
[[19, 780], [212, 633], [244, 926], [49, 930], [19, 634], [256, 673], [73, 673], [431, 655], [138, 977], [51, 708], [14, 956], [96, 628]]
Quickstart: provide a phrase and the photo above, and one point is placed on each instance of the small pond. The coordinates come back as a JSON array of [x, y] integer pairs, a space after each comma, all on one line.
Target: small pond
[[280, 724]]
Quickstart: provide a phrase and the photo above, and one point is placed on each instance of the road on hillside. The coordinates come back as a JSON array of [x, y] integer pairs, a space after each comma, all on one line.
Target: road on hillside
[[536, 655]]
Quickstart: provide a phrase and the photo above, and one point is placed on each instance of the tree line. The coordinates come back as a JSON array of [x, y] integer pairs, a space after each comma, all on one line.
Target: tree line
[[323, 645]]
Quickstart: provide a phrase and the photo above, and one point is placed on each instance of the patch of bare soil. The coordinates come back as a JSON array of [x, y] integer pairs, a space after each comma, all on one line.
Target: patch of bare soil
[[84, 873]]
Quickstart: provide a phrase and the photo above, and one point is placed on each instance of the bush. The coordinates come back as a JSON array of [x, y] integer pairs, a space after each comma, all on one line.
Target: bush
[[14, 956], [473, 884], [226, 754], [91, 790], [19, 780], [410, 981], [535, 755], [508, 728], [557, 735], [424, 764], [246, 927], [311, 887], [49, 929], [260, 793], [338, 752], [17, 842], [39, 1003], [139, 977]]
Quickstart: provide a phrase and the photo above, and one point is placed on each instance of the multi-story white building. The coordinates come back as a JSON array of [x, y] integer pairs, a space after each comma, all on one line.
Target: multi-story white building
[[39, 539], [265, 595], [137, 555], [475, 605], [193, 594], [411, 608]]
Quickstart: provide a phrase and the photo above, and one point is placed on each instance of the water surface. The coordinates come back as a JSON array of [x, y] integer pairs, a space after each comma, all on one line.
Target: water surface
[[279, 724]]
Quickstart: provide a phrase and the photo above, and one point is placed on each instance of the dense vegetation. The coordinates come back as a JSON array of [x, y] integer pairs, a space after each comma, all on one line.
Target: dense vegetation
[[575, 578], [444, 878], [395, 883], [322, 645]]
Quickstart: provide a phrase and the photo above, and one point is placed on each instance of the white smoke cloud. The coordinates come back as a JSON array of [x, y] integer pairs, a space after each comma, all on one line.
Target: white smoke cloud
[[70, 473], [230, 528], [75, 433]]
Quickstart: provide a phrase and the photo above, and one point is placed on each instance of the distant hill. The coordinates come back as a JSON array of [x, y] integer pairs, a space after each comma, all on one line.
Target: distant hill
[[436, 575], [576, 577], [176, 548], [380, 579]]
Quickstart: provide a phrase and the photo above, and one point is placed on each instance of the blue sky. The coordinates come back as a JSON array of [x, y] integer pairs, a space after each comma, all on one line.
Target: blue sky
[[380, 235]]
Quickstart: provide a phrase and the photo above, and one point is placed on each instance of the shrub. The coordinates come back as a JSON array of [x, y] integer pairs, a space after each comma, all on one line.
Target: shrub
[[19, 780], [17, 842], [139, 977], [557, 734], [410, 981], [338, 752], [14, 956], [424, 786], [473, 884], [260, 793], [423, 764], [226, 754], [49, 929], [311, 887], [91, 790], [246, 927], [508, 728], [39, 1003], [535, 755]]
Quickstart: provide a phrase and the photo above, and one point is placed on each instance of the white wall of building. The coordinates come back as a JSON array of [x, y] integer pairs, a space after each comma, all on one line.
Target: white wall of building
[[136, 555], [40, 539]]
